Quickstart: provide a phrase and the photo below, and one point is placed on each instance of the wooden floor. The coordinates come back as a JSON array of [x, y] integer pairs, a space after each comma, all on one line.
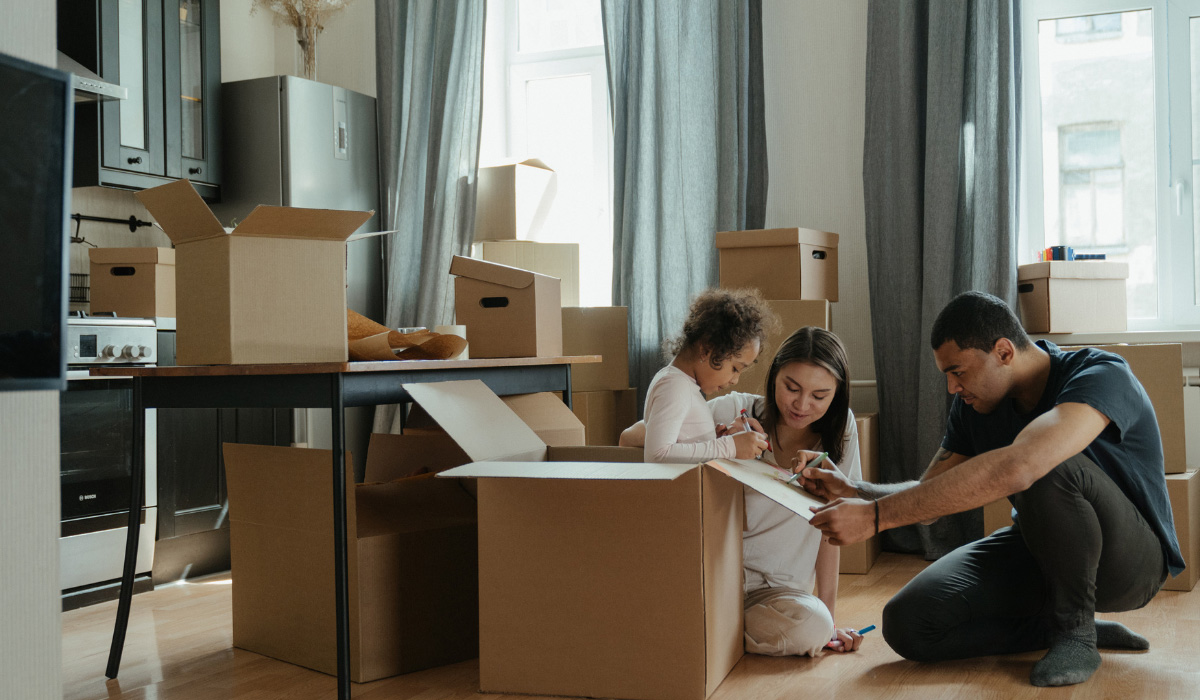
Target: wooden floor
[[179, 648]]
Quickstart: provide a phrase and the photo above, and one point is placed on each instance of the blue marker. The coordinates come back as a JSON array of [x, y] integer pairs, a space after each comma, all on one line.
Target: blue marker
[[813, 463], [831, 644]]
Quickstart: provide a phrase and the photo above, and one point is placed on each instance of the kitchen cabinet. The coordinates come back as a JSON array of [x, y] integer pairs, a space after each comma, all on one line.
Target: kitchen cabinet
[[166, 53]]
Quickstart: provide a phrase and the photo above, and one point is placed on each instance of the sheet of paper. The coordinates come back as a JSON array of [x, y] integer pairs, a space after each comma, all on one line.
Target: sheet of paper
[[770, 481]]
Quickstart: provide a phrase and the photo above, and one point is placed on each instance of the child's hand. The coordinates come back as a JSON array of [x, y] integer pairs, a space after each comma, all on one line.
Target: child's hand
[[746, 423], [749, 444]]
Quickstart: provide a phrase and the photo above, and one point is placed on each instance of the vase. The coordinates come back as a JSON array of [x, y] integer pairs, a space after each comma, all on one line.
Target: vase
[[306, 36]]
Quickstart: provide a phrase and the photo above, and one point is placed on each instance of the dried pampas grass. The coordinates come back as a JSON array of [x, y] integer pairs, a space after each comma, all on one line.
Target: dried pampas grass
[[308, 17]]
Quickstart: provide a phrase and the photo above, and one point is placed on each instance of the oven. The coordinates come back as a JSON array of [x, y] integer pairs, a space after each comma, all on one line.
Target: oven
[[96, 435]]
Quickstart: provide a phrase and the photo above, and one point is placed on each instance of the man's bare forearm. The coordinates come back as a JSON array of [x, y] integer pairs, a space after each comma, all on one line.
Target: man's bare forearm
[[940, 463]]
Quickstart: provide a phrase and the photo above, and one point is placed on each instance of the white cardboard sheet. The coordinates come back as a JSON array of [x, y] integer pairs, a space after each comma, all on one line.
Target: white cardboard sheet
[[570, 470], [769, 481]]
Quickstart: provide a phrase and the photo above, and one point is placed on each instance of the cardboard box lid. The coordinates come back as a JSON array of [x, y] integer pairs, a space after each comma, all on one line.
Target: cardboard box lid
[[776, 237], [1073, 269], [184, 217], [604, 471], [132, 256], [494, 273], [531, 162], [478, 420], [551, 420]]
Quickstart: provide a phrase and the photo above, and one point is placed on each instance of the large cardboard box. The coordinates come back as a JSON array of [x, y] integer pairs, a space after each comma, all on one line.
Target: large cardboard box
[[1159, 367], [272, 291], [559, 260], [605, 414], [1184, 492], [412, 554], [598, 330], [507, 312], [793, 314], [133, 282], [1069, 296], [512, 200], [782, 263], [859, 558], [600, 579]]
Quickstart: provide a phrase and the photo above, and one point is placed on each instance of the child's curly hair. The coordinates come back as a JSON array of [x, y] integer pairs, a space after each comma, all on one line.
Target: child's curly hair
[[723, 321]]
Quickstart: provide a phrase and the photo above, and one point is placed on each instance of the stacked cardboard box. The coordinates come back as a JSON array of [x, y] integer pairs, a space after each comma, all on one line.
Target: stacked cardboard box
[[508, 312], [600, 396], [859, 558], [133, 282], [1067, 296]]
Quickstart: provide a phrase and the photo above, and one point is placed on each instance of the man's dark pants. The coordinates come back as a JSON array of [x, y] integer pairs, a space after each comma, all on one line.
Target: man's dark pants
[[1079, 546]]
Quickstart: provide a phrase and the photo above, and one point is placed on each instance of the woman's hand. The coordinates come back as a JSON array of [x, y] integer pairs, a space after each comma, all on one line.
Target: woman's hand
[[749, 444], [845, 639], [823, 480]]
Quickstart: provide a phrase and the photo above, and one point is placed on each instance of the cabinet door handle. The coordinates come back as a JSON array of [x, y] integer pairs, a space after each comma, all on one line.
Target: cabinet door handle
[[193, 171], [134, 160]]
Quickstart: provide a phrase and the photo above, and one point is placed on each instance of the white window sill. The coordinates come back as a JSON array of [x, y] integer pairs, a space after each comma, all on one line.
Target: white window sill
[[1110, 338]]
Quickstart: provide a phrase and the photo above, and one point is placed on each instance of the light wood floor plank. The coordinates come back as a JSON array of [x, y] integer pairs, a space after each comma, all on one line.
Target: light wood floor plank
[[180, 637]]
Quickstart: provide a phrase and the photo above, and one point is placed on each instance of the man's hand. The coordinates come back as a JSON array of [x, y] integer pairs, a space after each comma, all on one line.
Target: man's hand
[[845, 520], [824, 483]]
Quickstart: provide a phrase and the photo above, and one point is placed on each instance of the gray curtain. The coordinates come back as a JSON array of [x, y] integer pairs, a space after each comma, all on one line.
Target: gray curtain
[[939, 177], [429, 60], [689, 154]]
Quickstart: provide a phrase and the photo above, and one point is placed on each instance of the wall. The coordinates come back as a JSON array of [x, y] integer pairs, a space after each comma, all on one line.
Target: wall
[[30, 637], [814, 65]]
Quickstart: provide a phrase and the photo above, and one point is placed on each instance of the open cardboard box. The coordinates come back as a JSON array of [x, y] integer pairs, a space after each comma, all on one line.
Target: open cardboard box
[[599, 577]]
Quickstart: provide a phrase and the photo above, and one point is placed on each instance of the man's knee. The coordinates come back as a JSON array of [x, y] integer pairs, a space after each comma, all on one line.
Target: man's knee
[[903, 622], [788, 626]]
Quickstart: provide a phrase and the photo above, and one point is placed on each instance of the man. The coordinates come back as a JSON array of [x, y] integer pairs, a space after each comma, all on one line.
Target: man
[[1071, 439]]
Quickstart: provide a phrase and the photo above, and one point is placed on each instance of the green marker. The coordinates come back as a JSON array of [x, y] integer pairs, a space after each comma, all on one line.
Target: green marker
[[813, 463]]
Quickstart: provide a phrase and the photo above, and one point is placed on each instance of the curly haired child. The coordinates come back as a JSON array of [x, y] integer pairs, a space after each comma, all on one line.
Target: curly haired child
[[722, 336]]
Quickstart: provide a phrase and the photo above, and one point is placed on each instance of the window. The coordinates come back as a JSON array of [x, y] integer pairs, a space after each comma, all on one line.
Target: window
[[1110, 103], [546, 97]]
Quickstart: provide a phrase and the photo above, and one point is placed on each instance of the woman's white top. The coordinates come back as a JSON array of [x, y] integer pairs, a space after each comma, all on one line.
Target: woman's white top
[[679, 425], [779, 548]]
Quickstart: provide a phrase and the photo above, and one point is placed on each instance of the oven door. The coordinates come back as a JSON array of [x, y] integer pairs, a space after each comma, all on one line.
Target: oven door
[[96, 419]]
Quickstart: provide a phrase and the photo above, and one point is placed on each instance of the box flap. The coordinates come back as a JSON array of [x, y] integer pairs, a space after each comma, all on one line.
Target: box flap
[[478, 420], [776, 237], [609, 471], [1073, 269], [180, 211], [397, 456], [295, 222], [495, 273], [132, 256], [551, 420], [411, 505], [770, 482]]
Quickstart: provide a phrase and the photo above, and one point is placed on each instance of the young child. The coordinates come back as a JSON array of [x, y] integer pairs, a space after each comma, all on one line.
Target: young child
[[721, 337]]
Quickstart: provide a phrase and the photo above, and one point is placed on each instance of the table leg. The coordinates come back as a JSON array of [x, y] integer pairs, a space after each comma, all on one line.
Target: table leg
[[137, 492], [567, 391], [341, 576]]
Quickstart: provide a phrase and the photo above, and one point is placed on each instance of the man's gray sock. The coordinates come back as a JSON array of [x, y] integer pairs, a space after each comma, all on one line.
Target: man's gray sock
[[1072, 659], [1114, 635]]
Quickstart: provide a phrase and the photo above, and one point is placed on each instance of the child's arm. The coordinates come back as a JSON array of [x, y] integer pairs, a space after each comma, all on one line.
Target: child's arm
[[668, 404]]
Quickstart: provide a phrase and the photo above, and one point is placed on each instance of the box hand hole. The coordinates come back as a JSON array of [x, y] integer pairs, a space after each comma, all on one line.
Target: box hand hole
[[818, 255], [493, 302], [121, 271], [1024, 288]]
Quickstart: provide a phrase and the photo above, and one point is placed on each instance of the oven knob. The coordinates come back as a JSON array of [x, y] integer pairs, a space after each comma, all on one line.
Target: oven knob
[[144, 351], [109, 351]]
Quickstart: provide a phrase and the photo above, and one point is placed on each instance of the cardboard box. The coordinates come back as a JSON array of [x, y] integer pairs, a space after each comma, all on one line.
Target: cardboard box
[[996, 515], [859, 558], [793, 314], [559, 260], [512, 200], [133, 282], [782, 263], [1068, 296], [273, 290], [598, 330], [1159, 367], [507, 312], [413, 565], [600, 579], [1184, 492], [605, 414]]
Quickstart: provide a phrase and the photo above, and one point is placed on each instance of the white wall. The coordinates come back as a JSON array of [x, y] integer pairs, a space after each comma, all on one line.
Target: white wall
[[30, 636], [814, 65]]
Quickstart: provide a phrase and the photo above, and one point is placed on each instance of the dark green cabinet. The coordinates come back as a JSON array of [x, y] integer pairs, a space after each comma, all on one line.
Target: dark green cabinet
[[166, 53]]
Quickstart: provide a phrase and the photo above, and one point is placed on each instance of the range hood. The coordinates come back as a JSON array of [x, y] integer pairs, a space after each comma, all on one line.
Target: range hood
[[89, 87]]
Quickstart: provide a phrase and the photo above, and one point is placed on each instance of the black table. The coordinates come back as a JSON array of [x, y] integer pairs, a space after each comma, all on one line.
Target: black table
[[333, 385]]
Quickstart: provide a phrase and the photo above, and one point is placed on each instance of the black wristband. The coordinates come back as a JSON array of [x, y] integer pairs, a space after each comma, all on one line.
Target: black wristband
[[876, 516]]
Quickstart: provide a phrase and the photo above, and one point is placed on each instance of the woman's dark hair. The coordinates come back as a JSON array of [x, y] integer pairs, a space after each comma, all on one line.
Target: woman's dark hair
[[976, 320], [819, 347], [723, 321]]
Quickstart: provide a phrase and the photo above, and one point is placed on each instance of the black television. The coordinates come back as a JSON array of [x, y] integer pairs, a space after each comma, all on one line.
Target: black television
[[36, 131]]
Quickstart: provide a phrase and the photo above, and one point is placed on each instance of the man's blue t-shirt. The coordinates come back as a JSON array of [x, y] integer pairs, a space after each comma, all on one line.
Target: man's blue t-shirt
[[1129, 449]]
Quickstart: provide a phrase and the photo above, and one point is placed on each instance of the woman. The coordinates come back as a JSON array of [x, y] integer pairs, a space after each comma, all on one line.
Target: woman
[[791, 574]]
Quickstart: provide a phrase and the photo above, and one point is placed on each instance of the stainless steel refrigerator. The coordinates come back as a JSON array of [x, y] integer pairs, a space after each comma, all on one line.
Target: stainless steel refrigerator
[[298, 143]]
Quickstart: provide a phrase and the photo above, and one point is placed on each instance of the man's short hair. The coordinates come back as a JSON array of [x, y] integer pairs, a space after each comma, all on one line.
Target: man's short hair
[[977, 320]]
